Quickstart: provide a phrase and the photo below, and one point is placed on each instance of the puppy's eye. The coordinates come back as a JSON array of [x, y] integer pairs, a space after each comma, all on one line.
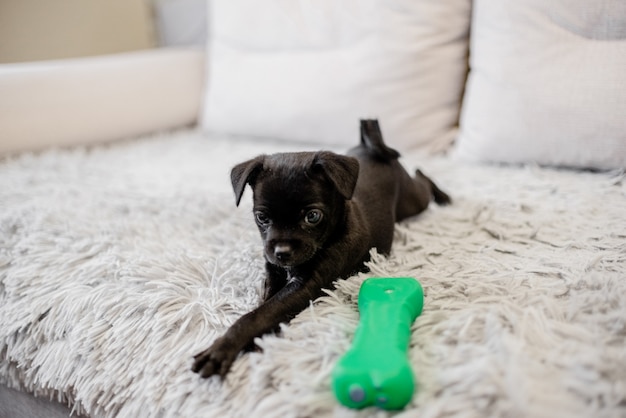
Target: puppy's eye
[[262, 218], [313, 217]]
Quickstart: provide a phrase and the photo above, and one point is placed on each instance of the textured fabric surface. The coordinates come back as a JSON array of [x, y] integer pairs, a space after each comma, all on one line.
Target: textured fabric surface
[[118, 263], [307, 71], [547, 84]]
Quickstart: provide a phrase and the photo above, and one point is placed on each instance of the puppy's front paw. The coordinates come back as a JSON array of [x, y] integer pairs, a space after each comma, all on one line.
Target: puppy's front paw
[[217, 359]]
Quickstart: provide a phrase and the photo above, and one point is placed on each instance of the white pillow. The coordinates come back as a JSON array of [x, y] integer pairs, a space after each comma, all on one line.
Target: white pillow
[[309, 70], [547, 84], [87, 100]]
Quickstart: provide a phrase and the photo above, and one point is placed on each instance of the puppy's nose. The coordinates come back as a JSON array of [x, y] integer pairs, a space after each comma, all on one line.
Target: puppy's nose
[[283, 252]]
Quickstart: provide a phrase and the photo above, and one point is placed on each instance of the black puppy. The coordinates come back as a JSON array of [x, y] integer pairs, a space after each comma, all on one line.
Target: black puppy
[[319, 214]]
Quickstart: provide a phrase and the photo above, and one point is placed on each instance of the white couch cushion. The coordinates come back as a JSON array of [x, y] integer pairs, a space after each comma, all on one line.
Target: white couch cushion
[[308, 71], [547, 84], [98, 99]]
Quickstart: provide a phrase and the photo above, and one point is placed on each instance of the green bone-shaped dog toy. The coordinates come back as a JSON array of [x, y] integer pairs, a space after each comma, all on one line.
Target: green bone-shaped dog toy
[[376, 370]]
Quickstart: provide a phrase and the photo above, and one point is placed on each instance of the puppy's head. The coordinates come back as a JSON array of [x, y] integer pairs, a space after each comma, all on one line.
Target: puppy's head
[[299, 200]]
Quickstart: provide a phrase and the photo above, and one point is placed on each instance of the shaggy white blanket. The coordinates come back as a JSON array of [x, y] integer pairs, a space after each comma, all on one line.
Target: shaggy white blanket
[[118, 263]]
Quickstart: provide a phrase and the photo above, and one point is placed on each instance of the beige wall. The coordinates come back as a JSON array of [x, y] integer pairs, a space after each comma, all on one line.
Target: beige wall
[[33, 30]]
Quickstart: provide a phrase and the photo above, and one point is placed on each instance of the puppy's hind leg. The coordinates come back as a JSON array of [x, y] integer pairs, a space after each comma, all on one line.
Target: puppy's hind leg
[[441, 197], [415, 194]]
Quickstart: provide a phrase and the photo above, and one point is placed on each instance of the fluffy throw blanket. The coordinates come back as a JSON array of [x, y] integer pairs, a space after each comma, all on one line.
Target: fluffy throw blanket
[[119, 262]]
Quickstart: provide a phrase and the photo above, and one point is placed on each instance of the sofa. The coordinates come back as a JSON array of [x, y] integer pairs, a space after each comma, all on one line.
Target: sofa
[[122, 253]]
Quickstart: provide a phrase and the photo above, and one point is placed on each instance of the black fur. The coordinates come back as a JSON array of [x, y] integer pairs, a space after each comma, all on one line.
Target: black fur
[[319, 214]]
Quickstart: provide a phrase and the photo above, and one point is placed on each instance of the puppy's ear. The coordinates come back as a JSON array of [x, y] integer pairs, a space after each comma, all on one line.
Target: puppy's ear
[[245, 173], [341, 170]]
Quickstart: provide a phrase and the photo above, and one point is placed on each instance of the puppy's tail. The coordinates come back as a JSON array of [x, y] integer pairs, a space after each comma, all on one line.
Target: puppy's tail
[[372, 140]]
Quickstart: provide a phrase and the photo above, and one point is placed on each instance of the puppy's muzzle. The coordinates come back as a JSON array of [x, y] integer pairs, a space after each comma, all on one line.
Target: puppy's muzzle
[[283, 252]]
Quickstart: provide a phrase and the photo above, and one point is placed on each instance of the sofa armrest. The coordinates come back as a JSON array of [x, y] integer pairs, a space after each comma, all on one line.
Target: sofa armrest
[[90, 100]]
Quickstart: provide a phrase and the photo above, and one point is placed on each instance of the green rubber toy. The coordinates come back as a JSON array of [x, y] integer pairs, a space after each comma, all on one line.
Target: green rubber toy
[[376, 370]]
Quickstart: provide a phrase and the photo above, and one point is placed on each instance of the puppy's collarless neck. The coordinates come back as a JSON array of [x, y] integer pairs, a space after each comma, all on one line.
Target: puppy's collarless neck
[[294, 278]]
